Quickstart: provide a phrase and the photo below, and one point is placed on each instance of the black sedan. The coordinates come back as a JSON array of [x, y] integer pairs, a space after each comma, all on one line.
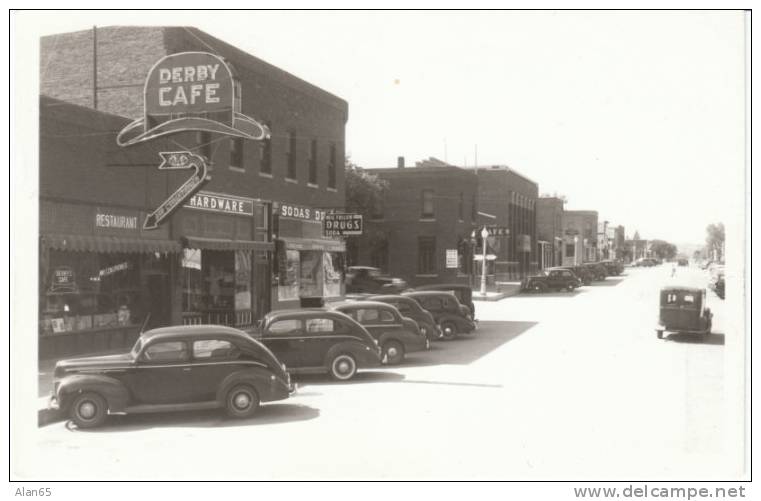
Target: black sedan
[[317, 340], [170, 369]]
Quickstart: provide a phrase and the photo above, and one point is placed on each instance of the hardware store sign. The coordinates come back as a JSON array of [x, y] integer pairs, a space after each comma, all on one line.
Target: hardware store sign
[[217, 202]]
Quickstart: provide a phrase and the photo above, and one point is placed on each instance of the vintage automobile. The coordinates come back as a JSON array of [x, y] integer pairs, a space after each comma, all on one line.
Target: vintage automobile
[[683, 261], [170, 369], [555, 279], [366, 279], [396, 334], [613, 267], [463, 293], [452, 317], [599, 270], [584, 273], [683, 310], [318, 340], [646, 262], [718, 287], [410, 308]]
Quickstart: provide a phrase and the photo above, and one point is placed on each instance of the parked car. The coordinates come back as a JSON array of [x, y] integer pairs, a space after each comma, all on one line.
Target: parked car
[[584, 273], [397, 335], [317, 340], [452, 317], [555, 279], [645, 262], [683, 261], [613, 267], [599, 270], [169, 369], [718, 287], [463, 293], [366, 279], [683, 309], [410, 308]]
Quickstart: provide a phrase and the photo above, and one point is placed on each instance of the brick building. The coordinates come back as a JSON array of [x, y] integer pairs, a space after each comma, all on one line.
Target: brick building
[[580, 237], [249, 241], [549, 229], [511, 198], [427, 212]]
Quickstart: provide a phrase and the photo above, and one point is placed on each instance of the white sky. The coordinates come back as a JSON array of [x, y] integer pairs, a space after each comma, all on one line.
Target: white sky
[[638, 115]]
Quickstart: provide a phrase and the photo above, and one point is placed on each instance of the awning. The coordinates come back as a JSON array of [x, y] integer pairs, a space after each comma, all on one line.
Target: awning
[[102, 243], [225, 244], [314, 244]]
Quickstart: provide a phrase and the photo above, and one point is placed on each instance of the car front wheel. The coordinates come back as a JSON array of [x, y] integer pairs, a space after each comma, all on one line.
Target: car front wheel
[[449, 330], [343, 367], [242, 401], [89, 410]]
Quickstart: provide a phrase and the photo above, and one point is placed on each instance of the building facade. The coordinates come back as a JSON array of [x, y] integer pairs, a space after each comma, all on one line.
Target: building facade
[[249, 241], [580, 237], [549, 229], [423, 230]]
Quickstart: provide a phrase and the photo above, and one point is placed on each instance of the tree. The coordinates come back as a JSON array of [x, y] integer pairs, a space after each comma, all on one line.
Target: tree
[[364, 195], [663, 249], [715, 241]]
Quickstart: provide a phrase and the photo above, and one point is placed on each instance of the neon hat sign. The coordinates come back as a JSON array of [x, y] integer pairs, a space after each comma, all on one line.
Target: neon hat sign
[[191, 91]]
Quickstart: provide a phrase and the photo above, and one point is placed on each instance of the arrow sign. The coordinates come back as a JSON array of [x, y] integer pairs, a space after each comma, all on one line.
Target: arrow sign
[[175, 160]]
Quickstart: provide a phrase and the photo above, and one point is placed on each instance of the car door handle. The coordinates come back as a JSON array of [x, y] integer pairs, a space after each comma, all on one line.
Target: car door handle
[[187, 369], [302, 340]]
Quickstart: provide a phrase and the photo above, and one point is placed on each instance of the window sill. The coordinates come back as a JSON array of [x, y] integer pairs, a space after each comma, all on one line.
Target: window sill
[[426, 275], [290, 180], [334, 190], [312, 185], [427, 220], [265, 174], [236, 169]]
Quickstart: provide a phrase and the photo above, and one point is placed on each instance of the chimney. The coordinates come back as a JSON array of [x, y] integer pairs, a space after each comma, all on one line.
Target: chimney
[[400, 162]]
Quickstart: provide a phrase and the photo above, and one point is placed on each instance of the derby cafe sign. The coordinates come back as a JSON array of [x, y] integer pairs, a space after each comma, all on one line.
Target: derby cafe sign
[[189, 91]]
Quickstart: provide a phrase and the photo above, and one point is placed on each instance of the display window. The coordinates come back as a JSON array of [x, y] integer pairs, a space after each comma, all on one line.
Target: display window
[[84, 290], [289, 269], [311, 271], [332, 265]]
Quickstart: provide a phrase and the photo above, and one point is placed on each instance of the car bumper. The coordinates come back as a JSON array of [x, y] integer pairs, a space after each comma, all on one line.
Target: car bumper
[[53, 403]]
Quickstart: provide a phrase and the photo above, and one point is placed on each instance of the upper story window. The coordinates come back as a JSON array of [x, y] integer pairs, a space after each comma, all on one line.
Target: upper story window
[[427, 206], [290, 155], [265, 164], [313, 162], [236, 95], [236, 153], [332, 167]]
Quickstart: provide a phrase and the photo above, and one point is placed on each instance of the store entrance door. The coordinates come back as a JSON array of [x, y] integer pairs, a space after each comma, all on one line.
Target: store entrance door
[[158, 300]]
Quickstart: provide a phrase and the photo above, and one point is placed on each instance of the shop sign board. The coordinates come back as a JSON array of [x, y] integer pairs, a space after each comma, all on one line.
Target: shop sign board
[[112, 220], [221, 203], [342, 224], [497, 231], [113, 269], [177, 160], [63, 280], [292, 211], [452, 258], [191, 91]]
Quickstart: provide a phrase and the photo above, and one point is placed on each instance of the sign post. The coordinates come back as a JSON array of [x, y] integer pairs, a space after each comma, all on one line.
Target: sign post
[[176, 160], [484, 234]]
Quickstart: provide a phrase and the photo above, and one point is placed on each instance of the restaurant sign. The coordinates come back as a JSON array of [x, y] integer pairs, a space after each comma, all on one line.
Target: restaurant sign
[[217, 202], [115, 221], [63, 280]]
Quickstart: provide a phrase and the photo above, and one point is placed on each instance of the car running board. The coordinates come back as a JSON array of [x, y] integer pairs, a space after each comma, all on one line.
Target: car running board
[[146, 408]]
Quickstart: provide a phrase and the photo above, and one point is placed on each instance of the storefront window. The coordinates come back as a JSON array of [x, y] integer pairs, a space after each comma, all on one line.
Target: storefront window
[[311, 267], [288, 275], [242, 280], [332, 265], [80, 291]]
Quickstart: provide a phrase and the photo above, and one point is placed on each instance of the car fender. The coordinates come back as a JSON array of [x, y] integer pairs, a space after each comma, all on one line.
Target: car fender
[[360, 351], [113, 390], [258, 377]]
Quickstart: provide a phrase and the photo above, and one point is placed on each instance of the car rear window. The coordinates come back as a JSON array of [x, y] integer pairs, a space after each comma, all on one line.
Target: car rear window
[[168, 351]]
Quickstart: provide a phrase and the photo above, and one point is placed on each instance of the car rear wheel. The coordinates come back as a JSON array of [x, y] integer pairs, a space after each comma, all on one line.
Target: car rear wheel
[[343, 367], [89, 410], [449, 330], [242, 401], [569, 287], [394, 352], [538, 287]]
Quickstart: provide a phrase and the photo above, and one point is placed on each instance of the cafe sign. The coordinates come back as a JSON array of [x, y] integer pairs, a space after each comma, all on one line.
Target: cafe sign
[[191, 91], [225, 204], [63, 280]]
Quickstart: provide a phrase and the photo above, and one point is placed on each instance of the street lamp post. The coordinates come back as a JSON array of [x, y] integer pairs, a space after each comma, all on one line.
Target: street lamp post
[[484, 234]]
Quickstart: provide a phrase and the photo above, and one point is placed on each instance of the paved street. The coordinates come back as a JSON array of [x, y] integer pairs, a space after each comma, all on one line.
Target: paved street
[[554, 386]]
